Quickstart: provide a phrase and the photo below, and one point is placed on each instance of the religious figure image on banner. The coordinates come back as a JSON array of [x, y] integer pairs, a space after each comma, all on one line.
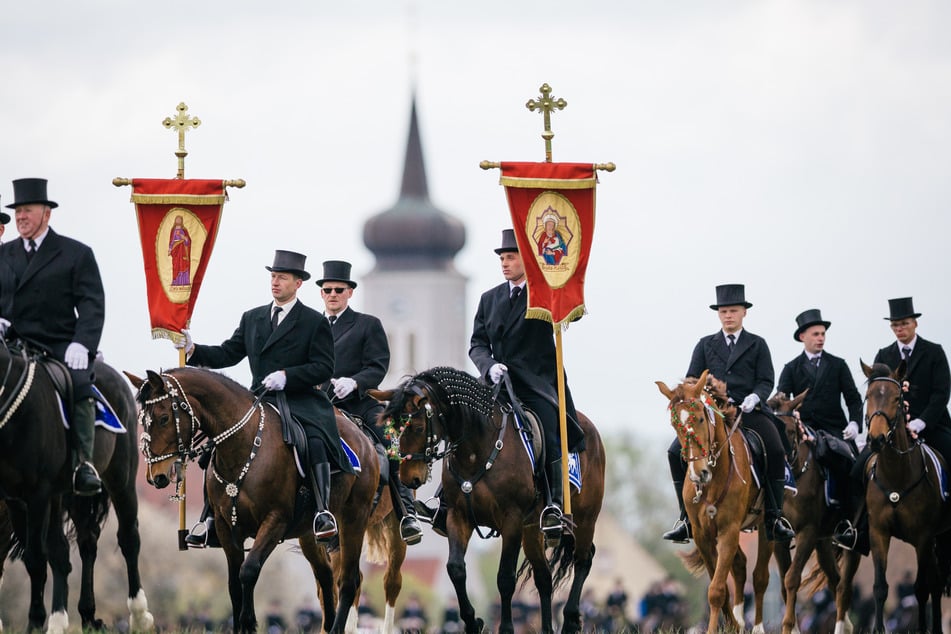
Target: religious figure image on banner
[[178, 246], [553, 224], [180, 252]]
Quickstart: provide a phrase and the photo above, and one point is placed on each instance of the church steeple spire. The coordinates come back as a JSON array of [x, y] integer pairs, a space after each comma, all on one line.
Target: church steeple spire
[[413, 234], [414, 168]]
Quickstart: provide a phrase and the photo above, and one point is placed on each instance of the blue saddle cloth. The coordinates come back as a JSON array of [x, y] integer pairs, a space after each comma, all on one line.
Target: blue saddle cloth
[[574, 461], [105, 416]]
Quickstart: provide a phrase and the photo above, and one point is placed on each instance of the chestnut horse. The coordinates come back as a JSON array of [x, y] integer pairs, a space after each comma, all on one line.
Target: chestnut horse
[[256, 491], [903, 497], [814, 521], [36, 480], [721, 497], [487, 481]]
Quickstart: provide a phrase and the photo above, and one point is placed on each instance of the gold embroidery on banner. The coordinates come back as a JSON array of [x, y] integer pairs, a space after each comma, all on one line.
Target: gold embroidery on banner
[[179, 243], [555, 231]]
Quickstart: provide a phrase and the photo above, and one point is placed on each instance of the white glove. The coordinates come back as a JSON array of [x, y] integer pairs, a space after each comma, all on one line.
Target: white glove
[[749, 403], [851, 430], [275, 381], [4, 324], [343, 386], [496, 372], [77, 356], [917, 425], [185, 344]]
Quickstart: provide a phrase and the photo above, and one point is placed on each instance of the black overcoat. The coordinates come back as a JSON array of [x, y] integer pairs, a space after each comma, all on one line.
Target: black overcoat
[[828, 384]]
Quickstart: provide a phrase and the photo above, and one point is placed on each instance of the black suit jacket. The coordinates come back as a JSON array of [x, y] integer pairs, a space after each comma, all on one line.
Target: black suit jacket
[[822, 407], [363, 354], [929, 381], [57, 298], [749, 370], [302, 346], [502, 334]]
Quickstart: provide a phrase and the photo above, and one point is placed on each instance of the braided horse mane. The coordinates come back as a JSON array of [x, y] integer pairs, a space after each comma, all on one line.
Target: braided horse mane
[[717, 390], [461, 390]]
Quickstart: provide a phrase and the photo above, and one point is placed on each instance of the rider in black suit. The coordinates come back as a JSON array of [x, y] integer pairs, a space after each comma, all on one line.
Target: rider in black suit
[[742, 359], [53, 297], [929, 388], [290, 349], [505, 341], [362, 358]]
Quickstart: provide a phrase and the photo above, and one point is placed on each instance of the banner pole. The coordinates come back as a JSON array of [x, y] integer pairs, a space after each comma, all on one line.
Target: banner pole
[[180, 488], [562, 420]]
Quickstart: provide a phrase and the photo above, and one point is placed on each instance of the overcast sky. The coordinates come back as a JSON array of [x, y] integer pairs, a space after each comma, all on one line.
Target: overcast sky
[[799, 147]]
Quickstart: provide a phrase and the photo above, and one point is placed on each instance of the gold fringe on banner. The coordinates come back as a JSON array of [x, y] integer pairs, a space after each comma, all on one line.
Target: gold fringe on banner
[[545, 315], [178, 199], [548, 183]]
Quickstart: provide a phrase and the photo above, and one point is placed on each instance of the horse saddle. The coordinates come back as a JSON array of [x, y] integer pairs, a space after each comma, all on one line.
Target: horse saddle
[[58, 373], [293, 433], [757, 449]]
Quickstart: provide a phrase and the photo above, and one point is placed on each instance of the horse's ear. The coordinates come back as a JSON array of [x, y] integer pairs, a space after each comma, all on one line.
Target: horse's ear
[[381, 395], [797, 402], [702, 381], [666, 391], [154, 379], [900, 370], [136, 381], [865, 369]]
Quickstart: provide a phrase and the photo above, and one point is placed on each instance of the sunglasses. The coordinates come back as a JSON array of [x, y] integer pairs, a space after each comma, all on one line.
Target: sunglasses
[[334, 289]]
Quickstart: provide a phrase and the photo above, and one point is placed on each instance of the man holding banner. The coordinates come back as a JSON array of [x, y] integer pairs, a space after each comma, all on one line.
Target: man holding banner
[[504, 341]]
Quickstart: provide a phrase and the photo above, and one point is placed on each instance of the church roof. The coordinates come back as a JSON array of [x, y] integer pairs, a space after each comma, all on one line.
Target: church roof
[[414, 233]]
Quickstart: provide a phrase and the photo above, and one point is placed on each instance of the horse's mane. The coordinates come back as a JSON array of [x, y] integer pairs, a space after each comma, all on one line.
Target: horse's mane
[[717, 391], [461, 389]]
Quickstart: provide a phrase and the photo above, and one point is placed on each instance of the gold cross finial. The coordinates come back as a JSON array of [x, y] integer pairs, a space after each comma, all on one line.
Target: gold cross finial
[[181, 122], [546, 104]]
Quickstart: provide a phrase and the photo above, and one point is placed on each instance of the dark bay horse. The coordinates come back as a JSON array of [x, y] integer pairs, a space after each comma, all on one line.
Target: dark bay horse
[[253, 486], [487, 481], [903, 497], [35, 479], [813, 520], [721, 497]]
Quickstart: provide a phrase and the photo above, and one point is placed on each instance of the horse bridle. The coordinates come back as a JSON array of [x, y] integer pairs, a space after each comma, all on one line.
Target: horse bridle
[[689, 431], [891, 421], [22, 387]]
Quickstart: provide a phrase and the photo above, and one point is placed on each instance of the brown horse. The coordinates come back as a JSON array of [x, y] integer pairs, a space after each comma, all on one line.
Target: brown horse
[[814, 521], [35, 479], [721, 497], [487, 481], [903, 497], [256, 491]]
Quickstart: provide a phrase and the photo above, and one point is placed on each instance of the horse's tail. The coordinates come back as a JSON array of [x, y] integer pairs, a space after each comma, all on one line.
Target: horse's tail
[[562, 562], [816, 579], [86, 512], [377, 542], [9, 539], [693, 562]]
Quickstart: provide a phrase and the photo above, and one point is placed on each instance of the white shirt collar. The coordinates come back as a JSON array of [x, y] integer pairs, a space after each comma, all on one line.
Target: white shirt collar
[[736, 336], [38, 240], [910, 344], [285, 308]]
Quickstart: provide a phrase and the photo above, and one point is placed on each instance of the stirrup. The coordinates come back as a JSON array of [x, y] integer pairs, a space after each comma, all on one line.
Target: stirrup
[[845, 535], [410, 530], [325, 534], [680, 533], [198, 535], [95, 474], [548, 513], [424, 512]]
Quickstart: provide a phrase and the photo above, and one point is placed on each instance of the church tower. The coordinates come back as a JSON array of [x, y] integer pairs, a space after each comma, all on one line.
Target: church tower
[[414, 288]]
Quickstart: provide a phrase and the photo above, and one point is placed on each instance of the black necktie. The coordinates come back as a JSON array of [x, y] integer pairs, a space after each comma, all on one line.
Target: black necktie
[[905, 352], [516, 291], [332, 319], [730, 343], [31, 251], [274, 316]]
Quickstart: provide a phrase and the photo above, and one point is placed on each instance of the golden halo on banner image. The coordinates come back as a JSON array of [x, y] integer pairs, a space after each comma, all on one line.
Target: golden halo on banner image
[[555, 229], [179, 243]]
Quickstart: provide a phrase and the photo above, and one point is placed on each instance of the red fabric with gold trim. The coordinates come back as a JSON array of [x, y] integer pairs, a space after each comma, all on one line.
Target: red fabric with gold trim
[[552, 207], [178, 223]]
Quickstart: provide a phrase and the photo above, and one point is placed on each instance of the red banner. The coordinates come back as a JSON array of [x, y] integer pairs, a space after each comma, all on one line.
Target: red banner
[[552, 207], [178, 224]]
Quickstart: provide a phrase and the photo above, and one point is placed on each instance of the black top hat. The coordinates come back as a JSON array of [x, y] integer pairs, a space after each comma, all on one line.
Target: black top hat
[[337, 271], [901, 308], [807, 318], [29, 191], [508, 242], [731, 295], [289, 262], [4, 218]]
